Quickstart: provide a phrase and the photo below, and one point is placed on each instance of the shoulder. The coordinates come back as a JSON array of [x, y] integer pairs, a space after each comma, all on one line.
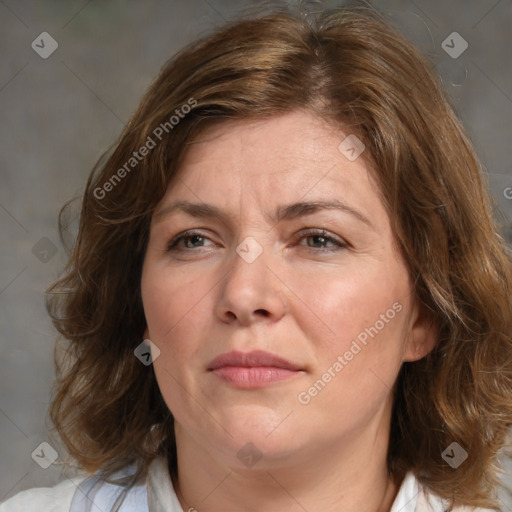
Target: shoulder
[[81, 494], [415, 497], [430, 502], [54, 499]]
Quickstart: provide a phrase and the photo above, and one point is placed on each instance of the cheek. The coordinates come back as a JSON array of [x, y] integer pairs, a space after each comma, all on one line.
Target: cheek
[[357, 363], [347, 303], [170, 301], [175, 310]]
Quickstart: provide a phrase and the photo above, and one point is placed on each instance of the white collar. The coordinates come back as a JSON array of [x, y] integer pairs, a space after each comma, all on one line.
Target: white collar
[[161, 494], [411, 497], [414, 497]]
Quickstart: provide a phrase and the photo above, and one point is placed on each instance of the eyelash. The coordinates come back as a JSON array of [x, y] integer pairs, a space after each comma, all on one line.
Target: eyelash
[[338, 243]]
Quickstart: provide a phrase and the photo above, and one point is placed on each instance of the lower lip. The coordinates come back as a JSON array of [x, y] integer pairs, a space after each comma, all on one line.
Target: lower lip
[[253, 377]]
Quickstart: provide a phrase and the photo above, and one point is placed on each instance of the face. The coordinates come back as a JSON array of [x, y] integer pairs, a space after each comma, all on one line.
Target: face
[[274, 289]]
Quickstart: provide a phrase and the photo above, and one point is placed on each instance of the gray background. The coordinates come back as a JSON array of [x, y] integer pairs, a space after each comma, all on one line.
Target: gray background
[[59, 114]]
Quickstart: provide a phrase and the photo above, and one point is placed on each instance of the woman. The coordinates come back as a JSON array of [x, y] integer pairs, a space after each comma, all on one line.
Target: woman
[[296, 225]]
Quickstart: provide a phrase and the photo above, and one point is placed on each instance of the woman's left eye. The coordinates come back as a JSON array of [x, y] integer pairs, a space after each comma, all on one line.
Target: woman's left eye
[[321, 240]]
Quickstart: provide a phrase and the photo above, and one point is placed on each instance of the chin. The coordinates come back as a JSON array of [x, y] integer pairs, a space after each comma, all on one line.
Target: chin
[[259, 428]]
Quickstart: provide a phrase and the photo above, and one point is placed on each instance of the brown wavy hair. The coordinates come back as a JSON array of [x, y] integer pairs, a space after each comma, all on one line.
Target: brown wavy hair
[[352, 69]]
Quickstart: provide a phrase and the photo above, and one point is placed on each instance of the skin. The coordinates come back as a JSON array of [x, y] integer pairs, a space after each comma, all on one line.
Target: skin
[[305, 298]]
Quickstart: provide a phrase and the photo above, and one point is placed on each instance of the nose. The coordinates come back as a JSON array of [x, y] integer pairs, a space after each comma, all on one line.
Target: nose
[[250, 292]]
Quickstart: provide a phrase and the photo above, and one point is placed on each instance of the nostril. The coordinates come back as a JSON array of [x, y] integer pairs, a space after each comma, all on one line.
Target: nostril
[[262, 312]]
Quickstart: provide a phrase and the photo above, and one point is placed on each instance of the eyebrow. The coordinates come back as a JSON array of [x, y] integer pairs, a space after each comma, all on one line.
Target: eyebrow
[[283, 213]]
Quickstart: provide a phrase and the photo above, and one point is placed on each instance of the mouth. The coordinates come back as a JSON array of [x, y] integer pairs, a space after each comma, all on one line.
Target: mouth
[[251, 370]]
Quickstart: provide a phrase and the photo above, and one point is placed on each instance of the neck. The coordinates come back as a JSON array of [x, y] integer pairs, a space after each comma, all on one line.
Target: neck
[[349, 475]]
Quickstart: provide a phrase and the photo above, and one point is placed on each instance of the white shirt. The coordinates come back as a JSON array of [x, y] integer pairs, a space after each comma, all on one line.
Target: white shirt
[[90, 494]]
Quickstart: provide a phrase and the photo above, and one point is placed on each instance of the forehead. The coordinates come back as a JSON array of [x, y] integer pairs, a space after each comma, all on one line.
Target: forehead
[[283, 158], [280, 142]]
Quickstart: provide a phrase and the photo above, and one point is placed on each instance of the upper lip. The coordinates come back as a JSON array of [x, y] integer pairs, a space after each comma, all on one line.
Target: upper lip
[[251, 359]]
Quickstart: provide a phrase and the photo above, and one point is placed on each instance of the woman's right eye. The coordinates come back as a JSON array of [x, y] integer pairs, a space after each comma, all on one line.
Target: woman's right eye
[[187, 241]]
